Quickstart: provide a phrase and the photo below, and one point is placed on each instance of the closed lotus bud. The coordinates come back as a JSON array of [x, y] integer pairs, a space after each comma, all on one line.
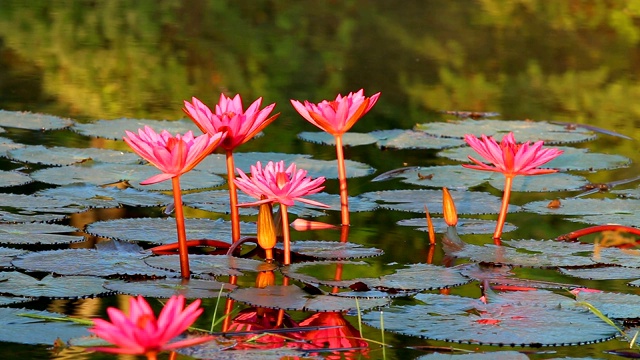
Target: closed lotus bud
[[265, 278], [449, 208], [266, 229]]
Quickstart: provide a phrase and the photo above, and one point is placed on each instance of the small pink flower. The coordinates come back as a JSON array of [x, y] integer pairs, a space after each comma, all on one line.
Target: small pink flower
[[141, 333], [174, 156], [338, 116], [274, 183], [510, 158], [229, 116]]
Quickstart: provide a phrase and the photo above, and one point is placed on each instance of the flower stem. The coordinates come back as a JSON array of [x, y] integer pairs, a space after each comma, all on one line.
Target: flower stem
[[342, 178], [598, 228], [285, 234], [233, 198], [502, 217], [183, 250], [152, 355]]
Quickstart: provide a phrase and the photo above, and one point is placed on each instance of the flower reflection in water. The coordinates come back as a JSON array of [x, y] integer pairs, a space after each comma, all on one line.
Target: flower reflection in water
[[339, 335]]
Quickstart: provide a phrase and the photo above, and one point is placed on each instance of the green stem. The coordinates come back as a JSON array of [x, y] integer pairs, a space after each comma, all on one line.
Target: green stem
[[502, 217], [180, 228], [342, 178]]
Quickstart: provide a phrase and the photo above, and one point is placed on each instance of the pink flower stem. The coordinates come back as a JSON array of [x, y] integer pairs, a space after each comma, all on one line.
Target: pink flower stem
[[502, 217], [342, 178], [233, 198], [285, 234], [183, 249]]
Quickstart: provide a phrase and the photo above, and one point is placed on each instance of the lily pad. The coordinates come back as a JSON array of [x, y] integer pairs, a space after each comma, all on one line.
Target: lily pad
[[215, 265], [502, 276], [67, 287], [218, 201], [613, 305], [62, 156], [7, 255], [332, 250], [165, 288], [32, 121], [114, 129], [621, 257], [29, 204], [441, 176], [542, 183], [523, 130], [464, 226], [294, 298], [348, 139], [494, 355], [579, 206], [457, 319], [616, 218], [13, 178], [603, 273], [15, 328], [163, 230], [90, 196], [411, 139], [38, 239], [356, 203]]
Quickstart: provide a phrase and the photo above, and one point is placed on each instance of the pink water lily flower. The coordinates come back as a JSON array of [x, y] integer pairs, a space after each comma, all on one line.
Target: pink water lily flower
[[173, 155], [141, 333], [231, 117]]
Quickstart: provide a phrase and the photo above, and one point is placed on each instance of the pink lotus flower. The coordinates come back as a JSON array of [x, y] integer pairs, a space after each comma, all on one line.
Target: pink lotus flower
[[338, 116], [274, 183], [174, 156], [510, 158], [229, 116], [140, 333]]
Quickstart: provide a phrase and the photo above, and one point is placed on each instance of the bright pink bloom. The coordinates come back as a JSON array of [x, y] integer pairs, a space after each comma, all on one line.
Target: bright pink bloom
[[229, 116], [274, 183], [338, 116], [510, 158], [141, 333], [174, 156]]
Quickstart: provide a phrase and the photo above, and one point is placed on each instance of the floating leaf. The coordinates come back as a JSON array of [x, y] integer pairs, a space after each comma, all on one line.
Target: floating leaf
[[440, 176], [215, 265], [494, 355], [163, 230], [165, 288], [12, 300], [502, 276], [297, 272], [411, 139], [294, 298], [106, 197], [543, 183], [37, 204], [32, 121], [621, 257], [464, 320], [37, 239], [523, 130], [61, 156], [15, 328], [218, 201], [214, 350], [613, 305], [114, 129], [7, 255], [67, 287], [620, 219], [356, 203], [464, 226], [348, 139], [579, 206], [13, 178], [603, 273], [333, 250], [467, 202]]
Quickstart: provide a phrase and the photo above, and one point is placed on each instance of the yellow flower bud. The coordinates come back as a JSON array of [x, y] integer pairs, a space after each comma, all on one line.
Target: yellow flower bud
[[266, 228], [449, 208], [265, 278]]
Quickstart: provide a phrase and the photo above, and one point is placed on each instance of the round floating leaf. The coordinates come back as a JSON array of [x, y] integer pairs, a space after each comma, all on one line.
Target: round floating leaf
[[613, 305], [294, 298], [38, 239], [35, 228], [630, 193], [13, 178], [421, 277], [31, 121], [106, 173], [106, 197], [61, 156], [163, 230], [86, 262], [218, 201], [28, 217], [530, 253], [114, 129], [467, 202], [11, 300], [571, 159], [67, 287], [356, 203], [165, 288], [31, 204], [348, 139], [464, 320], [216, 163], [215, 265], [580, 206], [213, 350], [604, 273], [332, 250], [495, 355], [502, 276], [411, 139], [523, 130], [464, 226], [543, 183], [620, 219], [17, 328], [7, 255], [297, 272], [442, 176], [615, 256]]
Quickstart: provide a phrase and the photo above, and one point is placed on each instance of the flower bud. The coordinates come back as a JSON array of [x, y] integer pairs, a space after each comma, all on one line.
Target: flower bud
[[265, 278], [449, 208], [266, 227]]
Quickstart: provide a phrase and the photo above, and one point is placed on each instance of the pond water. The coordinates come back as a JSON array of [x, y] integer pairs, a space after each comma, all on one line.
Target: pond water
[[528, 61]]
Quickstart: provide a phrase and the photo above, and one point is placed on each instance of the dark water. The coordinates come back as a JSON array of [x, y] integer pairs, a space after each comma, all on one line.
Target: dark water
[[565, 61]]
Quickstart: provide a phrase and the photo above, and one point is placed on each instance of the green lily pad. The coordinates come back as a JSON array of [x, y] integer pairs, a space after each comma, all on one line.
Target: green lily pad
[[356, 203], [441, 176], [30, 204], [580, 206], [13, 178], [620, 219], [15, 328], [165, 288], [613, 305], [348, 139], [32, 121], [332, 250], [494, 355], [62, 156], [616, 256], [464, 226], [411, 139], [215, 265], [38, 239], [54, 287], [7, 255], [163, 230], [523, 130], [90, 196], [114, 129], [218, 201], [294, 298], [603, 273], [542, 183], [503, 276], [457, 319]]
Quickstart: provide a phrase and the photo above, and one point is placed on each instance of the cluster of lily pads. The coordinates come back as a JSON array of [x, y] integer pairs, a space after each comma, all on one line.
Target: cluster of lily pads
[[37, 262]]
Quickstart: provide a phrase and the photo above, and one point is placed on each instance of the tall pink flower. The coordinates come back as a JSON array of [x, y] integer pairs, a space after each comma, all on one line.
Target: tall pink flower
[[240, 126], [337, 117], [141, 333], [173, 155], [510, 159], [276, 184]]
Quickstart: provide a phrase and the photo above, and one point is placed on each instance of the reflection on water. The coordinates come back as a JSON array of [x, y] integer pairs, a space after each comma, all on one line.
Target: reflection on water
[[541, 60]]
